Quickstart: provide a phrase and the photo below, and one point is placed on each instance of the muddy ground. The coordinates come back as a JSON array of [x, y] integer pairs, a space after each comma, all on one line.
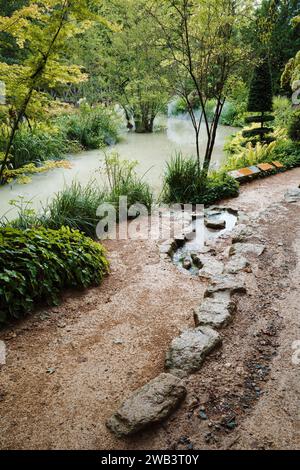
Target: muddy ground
[[69, 367]]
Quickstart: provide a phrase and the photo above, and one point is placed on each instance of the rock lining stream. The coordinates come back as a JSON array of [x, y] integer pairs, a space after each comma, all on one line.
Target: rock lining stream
[[216, 223]]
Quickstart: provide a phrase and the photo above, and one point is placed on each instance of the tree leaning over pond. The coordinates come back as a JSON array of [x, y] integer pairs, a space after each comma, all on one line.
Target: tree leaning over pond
[[45, 27]]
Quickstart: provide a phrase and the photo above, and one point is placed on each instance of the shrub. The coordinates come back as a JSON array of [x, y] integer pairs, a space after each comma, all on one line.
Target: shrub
[[182, 185], [37, 264], [288, 153], [35, 145], [294, 127], [243, 153], [90, 127], [219, 186], [282, 111]]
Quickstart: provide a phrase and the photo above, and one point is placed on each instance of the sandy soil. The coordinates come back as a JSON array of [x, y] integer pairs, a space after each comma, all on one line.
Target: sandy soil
[[68, 368]]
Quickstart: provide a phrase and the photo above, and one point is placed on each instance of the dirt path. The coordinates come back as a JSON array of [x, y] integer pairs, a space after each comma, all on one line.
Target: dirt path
[[68, 368]]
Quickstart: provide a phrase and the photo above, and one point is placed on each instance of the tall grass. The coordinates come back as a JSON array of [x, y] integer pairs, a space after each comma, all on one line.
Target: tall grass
[[183, 184], [35, 145], [180, 179], [75, 206], [124, 181]]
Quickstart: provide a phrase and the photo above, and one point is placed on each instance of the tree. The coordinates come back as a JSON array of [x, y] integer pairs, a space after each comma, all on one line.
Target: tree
[[201, 40], [272, 33], [291, 75], [131, 70], [45, 27], [260, 100]]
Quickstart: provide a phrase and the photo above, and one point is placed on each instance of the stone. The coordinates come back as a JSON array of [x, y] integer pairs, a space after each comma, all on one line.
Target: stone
[[236, 264], [197, 260], [179, 240], [210, 267], [188, 351], [225, 282], [240, 249], [187, 263], [241, 233], [293, 195], [218, 224], [168, 247], [215, 311], [148, 405]]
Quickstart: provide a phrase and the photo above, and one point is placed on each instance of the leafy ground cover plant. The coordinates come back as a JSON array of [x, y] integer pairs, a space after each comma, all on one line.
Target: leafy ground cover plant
[[37, 264]]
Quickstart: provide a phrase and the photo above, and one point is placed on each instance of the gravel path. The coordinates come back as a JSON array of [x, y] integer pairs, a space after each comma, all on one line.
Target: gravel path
[[68, 368]]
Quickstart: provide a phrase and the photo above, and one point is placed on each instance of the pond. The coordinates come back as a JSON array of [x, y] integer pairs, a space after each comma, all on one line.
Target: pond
[[150, 150]]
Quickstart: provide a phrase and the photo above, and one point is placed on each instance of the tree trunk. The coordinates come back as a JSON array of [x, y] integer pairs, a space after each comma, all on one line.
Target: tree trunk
[[144, 126]]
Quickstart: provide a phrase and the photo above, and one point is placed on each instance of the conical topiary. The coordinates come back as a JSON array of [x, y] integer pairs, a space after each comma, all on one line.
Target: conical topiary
[[260, 100]]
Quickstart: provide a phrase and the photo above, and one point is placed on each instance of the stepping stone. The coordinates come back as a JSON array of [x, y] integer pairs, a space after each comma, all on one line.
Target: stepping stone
[[187, 264], [236, 264], [210, 267], [215, 224], [246, 172], [225, 282], [148, 405], [247, 249], [265, 166], [215, 311], [292, 196], [278, 165], [168, 247], [188, 351], [254, 170], [235, 174], [241, 233]]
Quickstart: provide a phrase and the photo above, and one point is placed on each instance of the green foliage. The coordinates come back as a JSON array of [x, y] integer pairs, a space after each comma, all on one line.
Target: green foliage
[[131, 66], [294, 127], [260, 101], [260, 95], [37, 264], [183, 186], [75, 206], [179, 179], [90, 127], [233, 111], [242, 153], [288, 153], [272, 31], [124, 181], [35, 145], [282, 111]]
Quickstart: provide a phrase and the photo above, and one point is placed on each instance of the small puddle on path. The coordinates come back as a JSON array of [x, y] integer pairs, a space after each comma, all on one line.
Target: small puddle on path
[[215, 224]]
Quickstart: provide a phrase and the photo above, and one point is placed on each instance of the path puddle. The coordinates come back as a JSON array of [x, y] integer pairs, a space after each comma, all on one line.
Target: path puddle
[[202, 236]]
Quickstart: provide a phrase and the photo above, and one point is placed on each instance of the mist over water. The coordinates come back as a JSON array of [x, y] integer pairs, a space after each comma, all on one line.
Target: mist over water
[[150, 150]]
